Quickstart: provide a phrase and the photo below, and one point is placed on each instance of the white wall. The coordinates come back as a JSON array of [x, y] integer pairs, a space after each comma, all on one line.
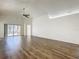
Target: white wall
[[62, 29], [14, 19], [11, 19]]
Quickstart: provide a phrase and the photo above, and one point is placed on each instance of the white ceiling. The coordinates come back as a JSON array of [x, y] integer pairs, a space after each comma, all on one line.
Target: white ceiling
[[40, 7]]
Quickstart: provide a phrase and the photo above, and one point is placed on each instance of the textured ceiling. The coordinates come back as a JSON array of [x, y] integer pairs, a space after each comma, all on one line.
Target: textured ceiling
[[40, 7]]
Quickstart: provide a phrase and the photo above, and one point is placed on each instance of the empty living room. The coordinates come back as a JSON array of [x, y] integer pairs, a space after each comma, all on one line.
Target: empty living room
[[39, 29]]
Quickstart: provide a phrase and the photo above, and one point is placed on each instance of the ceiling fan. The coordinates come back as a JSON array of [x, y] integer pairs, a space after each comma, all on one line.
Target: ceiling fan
[[26, 15]]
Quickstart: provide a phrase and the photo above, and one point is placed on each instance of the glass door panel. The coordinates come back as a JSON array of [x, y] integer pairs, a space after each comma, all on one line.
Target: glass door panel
[[10, 30], [14, 30], [19, 30]]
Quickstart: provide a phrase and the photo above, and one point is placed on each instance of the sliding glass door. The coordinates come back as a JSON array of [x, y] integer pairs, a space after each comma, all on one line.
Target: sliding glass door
[[10, 30], [14, 30]]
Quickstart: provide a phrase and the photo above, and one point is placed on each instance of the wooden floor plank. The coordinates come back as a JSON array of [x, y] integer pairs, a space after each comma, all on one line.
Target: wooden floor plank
[[20, 47]]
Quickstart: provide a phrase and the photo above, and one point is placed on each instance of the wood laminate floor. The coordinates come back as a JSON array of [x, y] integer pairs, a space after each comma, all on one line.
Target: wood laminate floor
[[19, 47]]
